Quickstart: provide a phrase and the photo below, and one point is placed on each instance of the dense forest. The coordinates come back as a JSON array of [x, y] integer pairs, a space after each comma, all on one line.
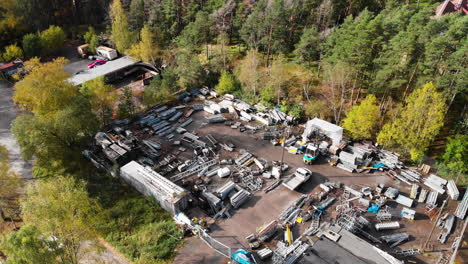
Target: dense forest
[[385, 70]]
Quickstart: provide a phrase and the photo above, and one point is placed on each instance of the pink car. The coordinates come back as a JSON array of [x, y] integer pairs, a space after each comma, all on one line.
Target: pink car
[[96, 63]]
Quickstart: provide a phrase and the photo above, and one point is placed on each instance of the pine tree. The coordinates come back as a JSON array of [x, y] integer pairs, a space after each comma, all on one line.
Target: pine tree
[[136, 15], [308, 49]]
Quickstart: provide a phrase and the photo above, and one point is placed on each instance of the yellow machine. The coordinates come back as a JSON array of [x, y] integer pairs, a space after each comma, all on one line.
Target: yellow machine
[[288, 237]]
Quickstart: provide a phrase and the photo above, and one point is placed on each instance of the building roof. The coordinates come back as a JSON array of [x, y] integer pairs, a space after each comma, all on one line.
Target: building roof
[[153, 180], [361, 248], [102, 70], [322, 124], [450, 6], [104, 48], [349, 249], [325, 251]]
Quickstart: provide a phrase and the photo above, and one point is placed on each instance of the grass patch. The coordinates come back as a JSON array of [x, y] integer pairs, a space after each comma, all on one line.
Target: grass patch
[[135, 225]]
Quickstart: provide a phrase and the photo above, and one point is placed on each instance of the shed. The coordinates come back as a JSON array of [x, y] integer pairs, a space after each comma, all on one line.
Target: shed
[[334, 132], [108, 69]]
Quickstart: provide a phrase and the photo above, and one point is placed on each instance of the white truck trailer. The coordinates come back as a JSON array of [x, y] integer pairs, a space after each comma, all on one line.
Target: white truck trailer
[[299, 177]]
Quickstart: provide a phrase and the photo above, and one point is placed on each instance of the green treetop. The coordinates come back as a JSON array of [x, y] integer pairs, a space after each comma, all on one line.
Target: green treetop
[[418, 123], [361, 120]]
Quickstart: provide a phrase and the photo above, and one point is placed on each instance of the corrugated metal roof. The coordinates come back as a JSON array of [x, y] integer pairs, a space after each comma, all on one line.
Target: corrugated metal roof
[[102, 70], [326, 125]]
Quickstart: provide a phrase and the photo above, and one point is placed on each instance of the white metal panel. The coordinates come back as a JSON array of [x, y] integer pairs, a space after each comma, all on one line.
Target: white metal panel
[[401, 199], [436, 179], [435, 187], [452, 190]]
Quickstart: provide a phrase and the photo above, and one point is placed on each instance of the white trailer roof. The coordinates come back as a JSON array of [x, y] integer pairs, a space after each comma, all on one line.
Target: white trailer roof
[[101, 70], [331, 130], [153, 180], [325, 125], [404, 200]]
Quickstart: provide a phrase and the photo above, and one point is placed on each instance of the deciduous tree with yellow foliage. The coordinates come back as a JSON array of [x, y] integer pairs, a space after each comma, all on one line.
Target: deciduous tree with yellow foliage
[[61, 119], [361, 120], [9, 184], [418, 122], [120, 32], [102, 97], [45, 89], [145, 50], [12, 52], [63, 209]]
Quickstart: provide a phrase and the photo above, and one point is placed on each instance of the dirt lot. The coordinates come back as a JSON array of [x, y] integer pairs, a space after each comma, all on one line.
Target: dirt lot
[[263, 208]]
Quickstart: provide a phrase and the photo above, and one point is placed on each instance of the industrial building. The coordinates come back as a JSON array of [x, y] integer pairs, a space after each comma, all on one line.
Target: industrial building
[[347, 249], [171, 197]]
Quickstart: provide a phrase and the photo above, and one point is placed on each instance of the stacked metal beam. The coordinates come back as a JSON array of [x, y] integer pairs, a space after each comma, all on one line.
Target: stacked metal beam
[[224, 190], [267, 231], [436, 183], [387, 226], [243, 158], [214, 201], [422, 196], [395, 239], [447, 229], [452, 190], [390, 159], [414, 191], [432, 198], [462, 207], [239, 198], [216, 119], [160, 109], [391, 192], [186, 123], [265, 253], [175, 117], [167, 114], [348, 161], [411, 175], [296, 254]]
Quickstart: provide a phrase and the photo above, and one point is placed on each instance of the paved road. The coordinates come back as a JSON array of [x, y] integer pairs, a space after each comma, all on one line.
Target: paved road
[[8, 113]]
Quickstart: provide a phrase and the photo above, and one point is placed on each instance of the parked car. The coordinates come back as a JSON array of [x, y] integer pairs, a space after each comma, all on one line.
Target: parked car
[[96, 63]]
